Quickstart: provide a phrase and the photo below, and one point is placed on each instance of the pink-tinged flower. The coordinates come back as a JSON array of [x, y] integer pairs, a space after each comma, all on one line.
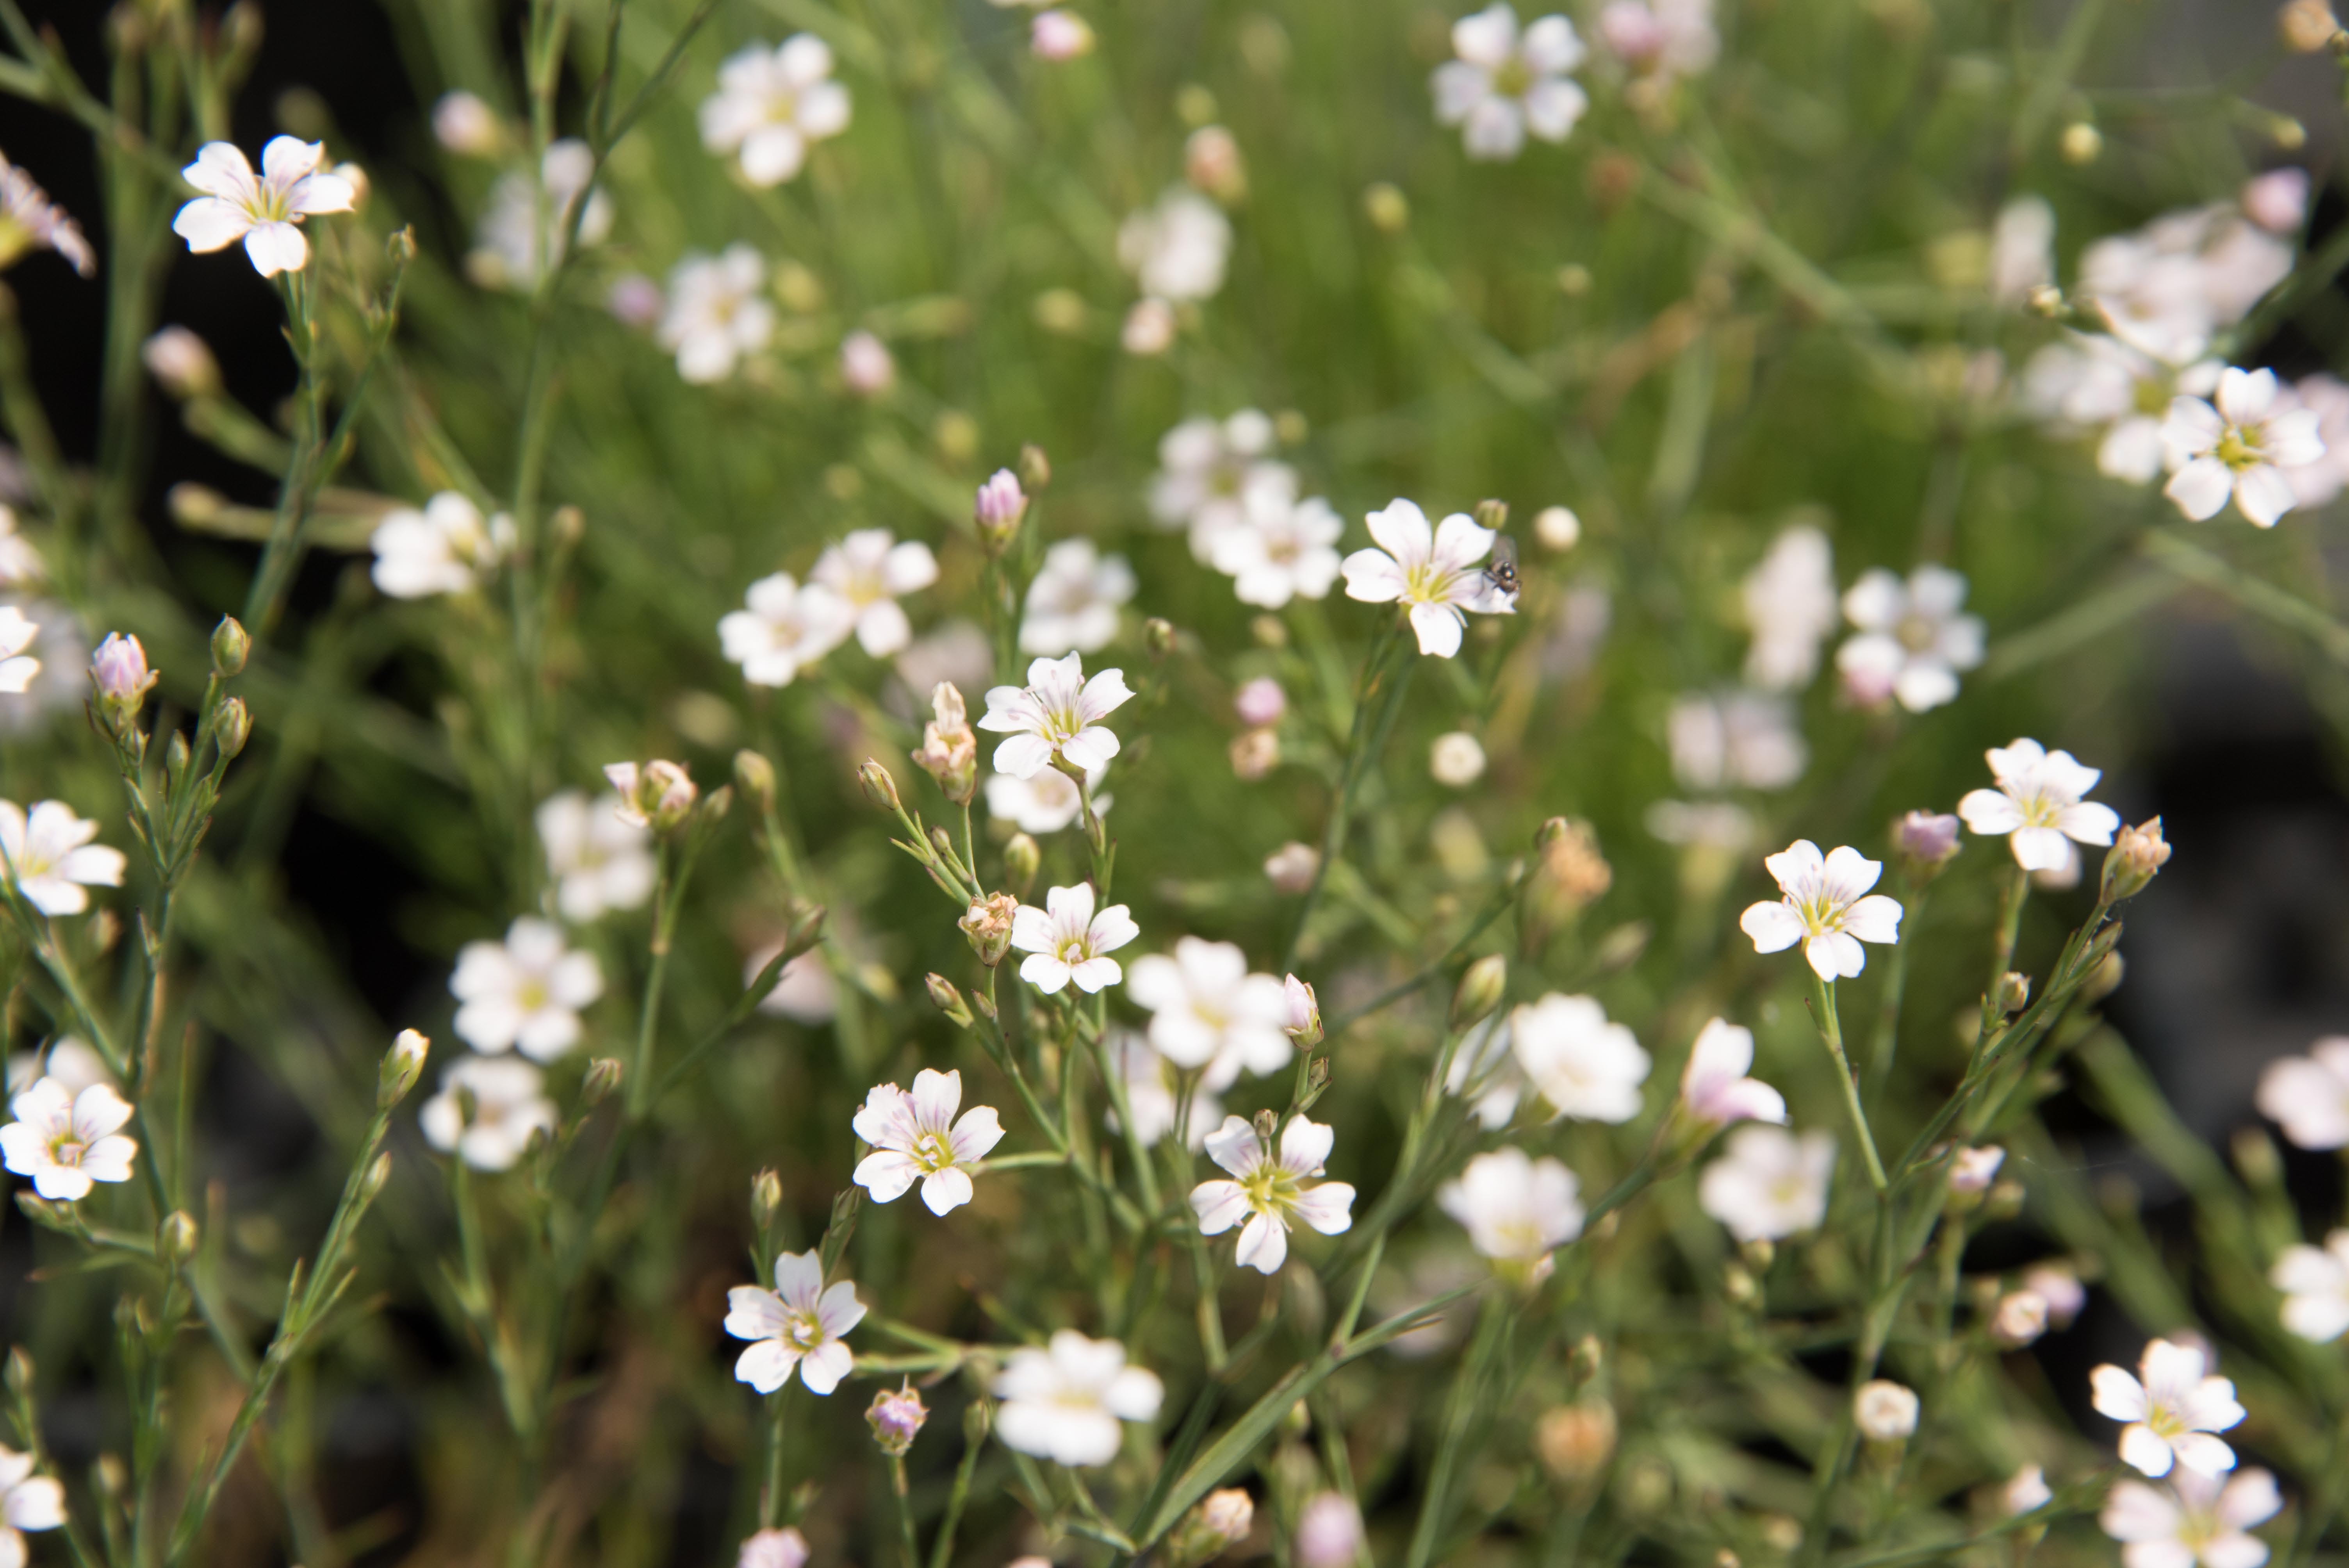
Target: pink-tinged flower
[[1271, 1190], [998, 507], [2316, 1285], [1515, 1209], [1060, 35], [1769, 1184], [2238, 450], [799, 1323], [509, 1108], [1913, 639], [66, 1143], [525, 992], [1057, 714], [48, 856], [866, 366], [784, 1548], [2308, 1095], [2026, 1490], [1064, 1403], [2195, 1523], [1504, 85], [1667, 38], [773, 104], [2277, 200], [1208, 1011], [2039, 805], [2060, 1288], [27, 1501], [915, 1136], [1825, 906], [784, 628], [1713, 1086], [1068, 940], [2170, 1411], [29, 219], [1261, 702], [1972, 1171], [264, 212], [1927, 837], [870, 570], [1433, 572]]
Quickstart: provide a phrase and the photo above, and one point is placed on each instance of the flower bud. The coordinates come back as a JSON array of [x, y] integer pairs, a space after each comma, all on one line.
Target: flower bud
[[988, 924], [1972, 1168], [897, 1417], [1060, 35], [1925, 842], [765, 1198], [1493, 514], [807, 929], [1211, 161], [949, 752], [2081, 142], [1567, 875], [1329, 1532], [182, 364], [1261, 703], [878, 786], [2013, 993], [1557, 527], [2044, 300], [1884, 1411], [111, 1475], [755, 776], [1480, 990], [949, 997], [20, 1371], [176, 758], [1255, 753], [464, 123], [998, 510], [1035, 469], [1149, 327], [604, 1074], [401, 1067], [231, 727], [1387, 208], [1293, 866], [657, 795], [118, 671], [1158, 636], [371, 1185], [1304, 1018], [232, 645], [1022, 859], [176, 1238], [1219, 1523], [1575, 1441], [2020, 1317], [2137, 854]]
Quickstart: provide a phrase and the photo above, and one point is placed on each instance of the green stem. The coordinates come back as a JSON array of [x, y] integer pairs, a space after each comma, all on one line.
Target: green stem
[[1831, 1031], [1362, 742], [905, 1541]]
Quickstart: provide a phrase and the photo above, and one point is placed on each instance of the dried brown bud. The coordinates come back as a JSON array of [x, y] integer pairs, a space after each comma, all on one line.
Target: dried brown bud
[[987, 924]]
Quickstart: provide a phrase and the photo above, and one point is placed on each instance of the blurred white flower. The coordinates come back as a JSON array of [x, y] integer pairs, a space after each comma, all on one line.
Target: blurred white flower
[[1972, 1170], [799, 1323], [1045, 801], [1662, 38], [1737, 739], [1064, 1403], [1208, 1011], [1714, 825], [718, 312], [784, 1548], [1790, 607], [2309, 1096], [1293, 867], [20, 564], [70, 1060], [1713, 1086], [1176, 249], [464, 123], [263, 211], [784, 628], [181, 363], [2060, 1288], [1584, 1065], [1260, 702], [525, 992], [2316, 1285], [1484, 1071], [2277, 201], [509, 1106], [18, 668], [2166, 288], [2089, 384], [1913, 638], [447, 548], [1057, 714], [1455, 759], [1434, 571], [1148, 329], [2038, 805], [1282, 550], [27, 1501], [773, 104], [2238, 450], [1060, 35], [64, 1140], [599, 862], [28, 218], [870, 571], [1329, 1532], [1503, 86], [1271, 1190], [1515, 1209], [48, 856], [1825, 905], [917, 1137], [2196, 1521], [1151, 1089], [518, 240], [956, 652], [1068, 940], [2317, 483], [1217, 476], [866, 366], [1072, 604], [1884, 1411], [2024, 1491], [2172, 1411], [1769, 1184], [2022, 250], [2020, 1317]]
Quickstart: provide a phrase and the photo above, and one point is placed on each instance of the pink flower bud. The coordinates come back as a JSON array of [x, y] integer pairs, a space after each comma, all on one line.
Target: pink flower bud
[[1329, 1532], [1261, 702], [1060, 35], [866, 365], [2278, 200]]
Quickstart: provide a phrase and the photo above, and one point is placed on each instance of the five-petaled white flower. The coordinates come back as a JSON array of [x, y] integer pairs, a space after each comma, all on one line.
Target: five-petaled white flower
[[1072, 604], [1057, 713], [264, 212], [870, 570], [1432, 571], [1271, 1190], [18, 668], [916, 1137], [2238, 450], [1064, 1403], [2309, 1096], [1210, 469], [1208, 1011], [1825, 906], [1043, 803], [525, 992], [798, 1323], [27, 1501], [716, 312], [1769, 1184], [599, 860], [1516, 1208], [2038, 804], [1283, 550], [2170, 1411], [509, 1107], [1713, 1086], [446, 548], [66, 1142], [1913, 638], [1586, 1066], [49, 859], [785, 627], [772, 105], [1503, 86], [1152, 1093], [2316, 1285], [2198, 1522], [1068, 940]]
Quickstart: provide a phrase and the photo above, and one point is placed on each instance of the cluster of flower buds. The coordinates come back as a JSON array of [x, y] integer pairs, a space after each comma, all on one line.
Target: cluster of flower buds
[[949, 752], [1568, 874], [657, 795], [2136, 856], [987, 924]]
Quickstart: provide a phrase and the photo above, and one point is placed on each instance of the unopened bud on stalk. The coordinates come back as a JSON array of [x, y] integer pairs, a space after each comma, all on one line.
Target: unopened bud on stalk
[[1972, 1170], [1493, 514], [765, 1198], [118, 671], [1022, 859], [20, 1371], [2020, 1317], [176, 756], [402, 1066], [2136, 856], [2013, 993], [896, 1416], [2045, 300], [231, 727], [176, 1237], [232, 645], [2004, 1200], [1157, 637], [1587, 1358], [949, 752], [1737, 1283], [1925, 841], [2104, 979], [1884, 1411], [1480, 990], [988, 924], [1304, 1019], [1268, 1122], [604, 1074], [1035, 467], [659, 795], [949, 997], [372, 1184], [755, 776], [1568, 874], [878, 786], [998, 510], [807, 929], [716, 804], [1220, 1522], [1575, 1441], [182, 364], [1255, 753]]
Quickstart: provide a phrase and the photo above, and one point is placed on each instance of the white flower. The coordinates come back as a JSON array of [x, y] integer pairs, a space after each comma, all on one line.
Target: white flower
[[1176, 250], [508, 1106], [599, 863], [20, 564], [1072, 604], [2038, 805], [798, 1323], [1584, 1065], [18, 668], [2020, 1317], [2316, 1285], [2168, 287], [2313, 484], [1515, 1209], [1913, 639], [264, 212], [2239, 449], [516, 243], [1667, 38], [2060, 1288], [2309, 1096], [716, 312], [2171, 1413], [1711, 825], [1769, 1184], [1455, 759], [916, 1136], [1068, 940], [1484, 1071], [525, 992], [65, 1142], [784, 628], [866, 366], [2196, 1521], [771, 104], [1282, 550], [1825, 906], [1045, 801], [1328, 1532], [957, 651], [1741, 740], [1884, 1411], [71, 1061], [1503, 86], [1064, 1403], [27, 1501], [1434, 571], [1151, 1093], [784, 1548], [1060, 35], [1713, 1086], [869, 570], [463, 122], [2092, 383], [1213, 475], [1790, 606], [30, 218], [1972, 1170], [1208, 1011], [49, 859], [1057, 714], [1148, 329], [1271, 1190], [2022, 250], [447, 548], [2024, 1491]]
